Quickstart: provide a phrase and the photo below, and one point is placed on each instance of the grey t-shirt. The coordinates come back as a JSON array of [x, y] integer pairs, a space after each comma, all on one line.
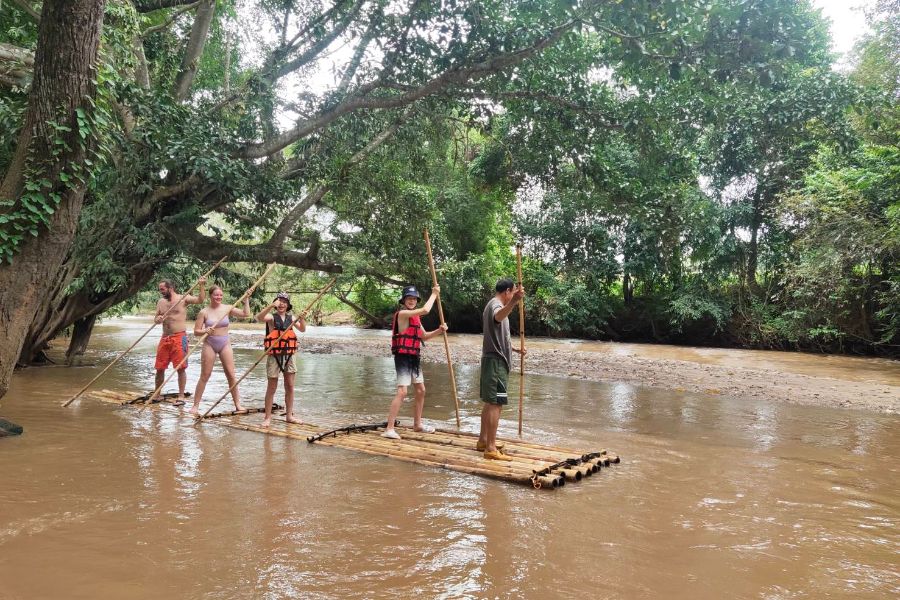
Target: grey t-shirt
[[496, 335]]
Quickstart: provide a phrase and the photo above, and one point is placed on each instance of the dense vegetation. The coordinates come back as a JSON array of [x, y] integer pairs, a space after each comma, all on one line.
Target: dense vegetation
[[677, 170]]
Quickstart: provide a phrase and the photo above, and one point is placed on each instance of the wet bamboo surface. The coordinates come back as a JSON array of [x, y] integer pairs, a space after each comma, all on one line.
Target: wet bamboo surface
[[538, 465]]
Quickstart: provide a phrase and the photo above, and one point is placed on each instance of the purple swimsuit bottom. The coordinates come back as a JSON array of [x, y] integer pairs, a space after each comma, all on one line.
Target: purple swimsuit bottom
[[217, 342]]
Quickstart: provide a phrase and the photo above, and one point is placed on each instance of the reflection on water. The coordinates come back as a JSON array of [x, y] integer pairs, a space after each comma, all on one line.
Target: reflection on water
[[716, 497]]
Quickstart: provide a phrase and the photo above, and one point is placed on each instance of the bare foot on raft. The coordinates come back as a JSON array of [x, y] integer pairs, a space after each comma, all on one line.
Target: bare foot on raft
[[267, 422], [194, 410], [293, 419]]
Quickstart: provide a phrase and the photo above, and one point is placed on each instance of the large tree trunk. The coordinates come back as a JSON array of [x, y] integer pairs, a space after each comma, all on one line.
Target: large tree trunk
[[81, 336], [753, 250], [64, 71], [63, 310]]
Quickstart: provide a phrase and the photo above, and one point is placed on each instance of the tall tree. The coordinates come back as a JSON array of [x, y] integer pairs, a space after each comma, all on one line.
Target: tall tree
[[44, 183]]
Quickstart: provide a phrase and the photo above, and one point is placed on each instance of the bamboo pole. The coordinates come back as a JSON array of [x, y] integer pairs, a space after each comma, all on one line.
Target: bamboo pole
[[203, 337], [521, 337], [441, 315], [264, 354], [131, 347]]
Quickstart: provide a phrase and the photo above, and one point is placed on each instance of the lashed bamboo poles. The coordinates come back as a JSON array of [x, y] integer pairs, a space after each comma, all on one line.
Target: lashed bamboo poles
[[521, 337], [373, 444], [441, 315], [429, 453], [131, 347], [203, 337], [264, 354]]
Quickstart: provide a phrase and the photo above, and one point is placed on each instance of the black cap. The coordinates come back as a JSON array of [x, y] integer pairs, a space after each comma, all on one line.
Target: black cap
[[409, 290]]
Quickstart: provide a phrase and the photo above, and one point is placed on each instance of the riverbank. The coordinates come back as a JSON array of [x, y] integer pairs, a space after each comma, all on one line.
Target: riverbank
[[791, 377], [564, 360]]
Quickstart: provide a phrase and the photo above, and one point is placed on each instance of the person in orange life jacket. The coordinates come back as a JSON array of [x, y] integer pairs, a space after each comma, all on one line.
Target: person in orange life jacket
[[280, 359], [406, 345]]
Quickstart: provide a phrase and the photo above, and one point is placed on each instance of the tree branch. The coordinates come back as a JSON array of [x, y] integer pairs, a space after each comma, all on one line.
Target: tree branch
[[16, 66], [196, 43], [354, 63], [378, 321], [456, 76], [290, 220], [546, 97], [161, 195], [325, 16], [145, 6], [209, 248], [141, 71], [381, 277], [170, 19], [28, 9], [320, 45]]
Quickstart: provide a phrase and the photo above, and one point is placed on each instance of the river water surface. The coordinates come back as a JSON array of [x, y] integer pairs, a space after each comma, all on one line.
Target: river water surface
[[715, 497]]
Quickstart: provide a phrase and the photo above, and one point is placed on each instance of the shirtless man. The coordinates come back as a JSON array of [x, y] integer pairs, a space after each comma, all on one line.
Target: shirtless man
[[174, 342]]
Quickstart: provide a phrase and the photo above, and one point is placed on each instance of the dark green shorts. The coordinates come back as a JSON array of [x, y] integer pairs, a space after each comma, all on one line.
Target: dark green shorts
[[494, 380]]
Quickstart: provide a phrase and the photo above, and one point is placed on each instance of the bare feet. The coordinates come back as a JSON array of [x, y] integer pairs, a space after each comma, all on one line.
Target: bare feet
[[238, 408], [293, 419], [195, 410], [267, 422]]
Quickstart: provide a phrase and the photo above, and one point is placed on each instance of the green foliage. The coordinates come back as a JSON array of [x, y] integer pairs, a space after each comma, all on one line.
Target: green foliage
[[677, 170]]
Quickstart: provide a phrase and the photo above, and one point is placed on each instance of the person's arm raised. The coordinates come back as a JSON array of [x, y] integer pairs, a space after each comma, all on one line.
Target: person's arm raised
[[501, 314], [426, 308], [243, 313], [262, 315], [200, 298]]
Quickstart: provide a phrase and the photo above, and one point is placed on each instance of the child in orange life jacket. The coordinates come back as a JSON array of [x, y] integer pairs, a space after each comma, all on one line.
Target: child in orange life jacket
[[280, 359], [406, 346]]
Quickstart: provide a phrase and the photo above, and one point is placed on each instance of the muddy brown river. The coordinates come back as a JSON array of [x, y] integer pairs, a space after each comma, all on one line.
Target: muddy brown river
[[715, 497]]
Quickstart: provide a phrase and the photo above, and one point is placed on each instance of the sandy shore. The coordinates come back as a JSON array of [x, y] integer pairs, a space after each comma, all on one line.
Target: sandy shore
[[731, 380]]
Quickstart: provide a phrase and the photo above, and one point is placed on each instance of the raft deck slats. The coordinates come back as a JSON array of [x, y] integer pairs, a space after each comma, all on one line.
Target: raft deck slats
[[535, 464]]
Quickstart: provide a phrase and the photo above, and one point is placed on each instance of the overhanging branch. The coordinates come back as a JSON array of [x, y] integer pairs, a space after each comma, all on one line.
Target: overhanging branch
[[456, 76], [209, 248]]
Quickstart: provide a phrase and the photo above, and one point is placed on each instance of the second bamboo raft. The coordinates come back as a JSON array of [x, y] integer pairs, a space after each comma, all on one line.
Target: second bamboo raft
[[538, 465]]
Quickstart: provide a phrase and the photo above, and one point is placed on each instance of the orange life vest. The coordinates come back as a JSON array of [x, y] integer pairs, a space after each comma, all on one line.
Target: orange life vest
[[408, 341], [287, 345]]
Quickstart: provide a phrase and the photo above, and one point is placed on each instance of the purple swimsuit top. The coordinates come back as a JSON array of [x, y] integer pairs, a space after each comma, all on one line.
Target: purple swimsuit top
[[223, 323]]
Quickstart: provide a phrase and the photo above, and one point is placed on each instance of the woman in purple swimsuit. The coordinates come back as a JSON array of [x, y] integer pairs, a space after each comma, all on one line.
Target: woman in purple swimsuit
[[213, 320]]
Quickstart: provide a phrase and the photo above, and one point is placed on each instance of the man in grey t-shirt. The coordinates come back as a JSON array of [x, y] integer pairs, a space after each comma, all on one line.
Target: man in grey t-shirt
[[496, 359]]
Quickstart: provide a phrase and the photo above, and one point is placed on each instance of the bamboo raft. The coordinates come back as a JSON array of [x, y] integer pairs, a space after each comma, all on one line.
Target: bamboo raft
[[538, 465]]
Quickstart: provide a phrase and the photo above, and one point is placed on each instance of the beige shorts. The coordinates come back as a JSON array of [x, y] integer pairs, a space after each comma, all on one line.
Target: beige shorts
[[273, 371]]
